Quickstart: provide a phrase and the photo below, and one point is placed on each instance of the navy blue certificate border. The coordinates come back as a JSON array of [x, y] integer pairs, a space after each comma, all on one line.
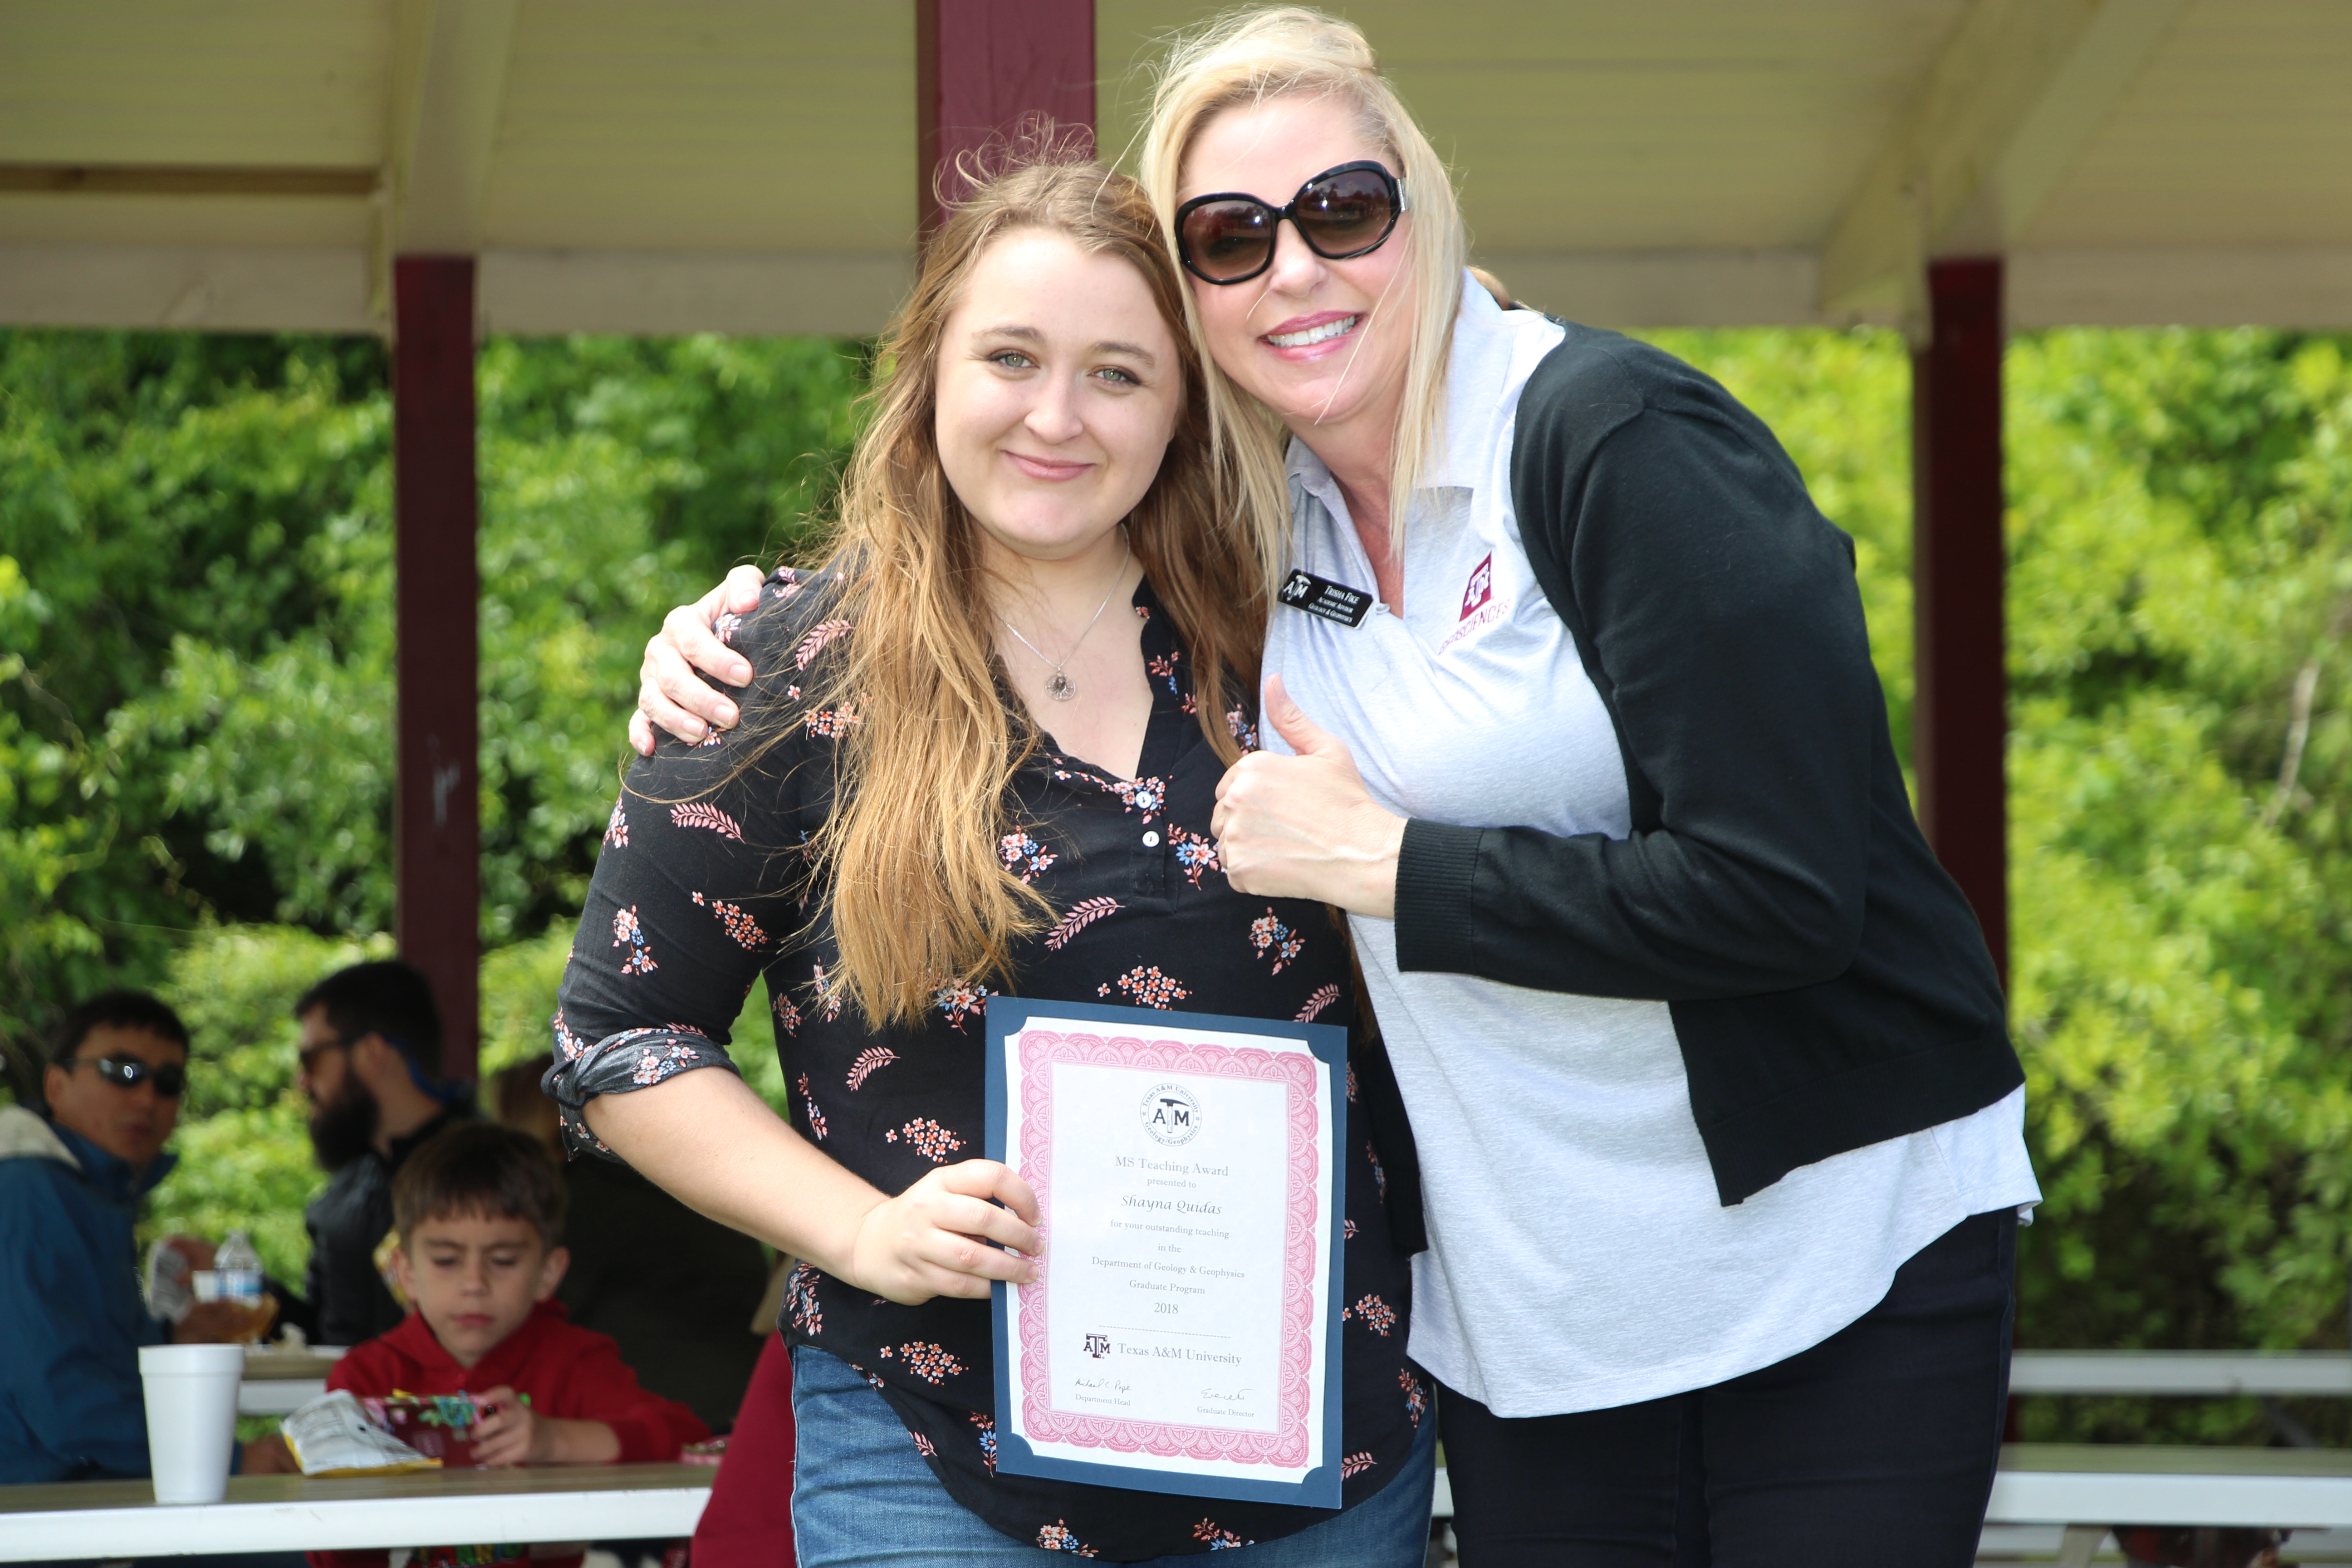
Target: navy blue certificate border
[[1319, 1488]]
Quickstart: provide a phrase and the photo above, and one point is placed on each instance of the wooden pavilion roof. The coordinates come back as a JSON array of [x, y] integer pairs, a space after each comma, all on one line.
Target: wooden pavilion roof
[[748, 166]]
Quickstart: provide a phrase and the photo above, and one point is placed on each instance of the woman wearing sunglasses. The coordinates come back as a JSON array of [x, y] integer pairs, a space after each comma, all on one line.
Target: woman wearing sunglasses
[[1720, 1123], [982, 753]]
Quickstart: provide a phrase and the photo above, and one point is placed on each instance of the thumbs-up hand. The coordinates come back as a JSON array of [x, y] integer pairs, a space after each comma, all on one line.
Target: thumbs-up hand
[[1304, 826]]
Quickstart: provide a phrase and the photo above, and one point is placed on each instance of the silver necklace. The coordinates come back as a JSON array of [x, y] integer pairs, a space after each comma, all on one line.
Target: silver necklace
[[1058, 685]]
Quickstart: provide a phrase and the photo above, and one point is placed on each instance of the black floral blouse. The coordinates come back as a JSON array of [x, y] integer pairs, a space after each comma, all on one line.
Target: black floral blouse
[[703, 885]]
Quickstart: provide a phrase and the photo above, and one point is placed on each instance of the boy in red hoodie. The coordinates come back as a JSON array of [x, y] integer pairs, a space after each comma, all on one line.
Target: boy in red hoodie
[[478, 1211]]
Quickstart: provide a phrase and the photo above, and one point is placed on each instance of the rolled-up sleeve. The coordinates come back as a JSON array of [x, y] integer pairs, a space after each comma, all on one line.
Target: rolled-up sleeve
[[698, 886]]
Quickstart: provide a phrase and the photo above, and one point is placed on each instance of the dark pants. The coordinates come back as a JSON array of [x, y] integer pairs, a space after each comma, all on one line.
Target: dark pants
[[1876, 1446]]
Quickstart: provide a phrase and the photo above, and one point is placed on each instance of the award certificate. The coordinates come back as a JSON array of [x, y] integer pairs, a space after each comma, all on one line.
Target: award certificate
[[1183, 1336]]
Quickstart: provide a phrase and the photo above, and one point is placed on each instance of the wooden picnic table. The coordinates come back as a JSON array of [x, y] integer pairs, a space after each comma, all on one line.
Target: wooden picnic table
[[112, 1520]]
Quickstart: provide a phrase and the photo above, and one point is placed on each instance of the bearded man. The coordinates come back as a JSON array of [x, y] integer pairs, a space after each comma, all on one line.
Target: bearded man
[[371, 1060]]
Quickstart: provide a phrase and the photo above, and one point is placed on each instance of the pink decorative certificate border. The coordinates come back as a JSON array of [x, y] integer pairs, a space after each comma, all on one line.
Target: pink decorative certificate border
[[1287, 1445]]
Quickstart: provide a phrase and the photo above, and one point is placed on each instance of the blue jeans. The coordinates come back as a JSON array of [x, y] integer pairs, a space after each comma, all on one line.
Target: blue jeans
[[861, 1494]]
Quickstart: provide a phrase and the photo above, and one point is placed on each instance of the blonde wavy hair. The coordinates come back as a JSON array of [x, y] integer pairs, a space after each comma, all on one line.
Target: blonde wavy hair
[[1251, 57], [910, 860]]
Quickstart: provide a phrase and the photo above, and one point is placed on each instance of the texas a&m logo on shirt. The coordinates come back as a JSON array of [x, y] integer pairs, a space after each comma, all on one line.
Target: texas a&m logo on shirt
[[1480, 608], [1480, 588]]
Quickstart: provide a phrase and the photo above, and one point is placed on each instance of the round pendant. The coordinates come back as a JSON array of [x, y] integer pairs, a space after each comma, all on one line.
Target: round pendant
[[1059, 688]]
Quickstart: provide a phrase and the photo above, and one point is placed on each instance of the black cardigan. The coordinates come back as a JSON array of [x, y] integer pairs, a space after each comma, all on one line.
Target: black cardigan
[[1830, 986]]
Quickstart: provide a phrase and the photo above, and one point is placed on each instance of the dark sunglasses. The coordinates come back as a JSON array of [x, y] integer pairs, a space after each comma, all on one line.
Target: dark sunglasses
[[1348, 211], [310, 1055], [129, 1072]]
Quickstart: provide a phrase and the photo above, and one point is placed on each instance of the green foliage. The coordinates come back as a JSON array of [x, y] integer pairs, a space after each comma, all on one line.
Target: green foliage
[[195, 566], [2182, 554]]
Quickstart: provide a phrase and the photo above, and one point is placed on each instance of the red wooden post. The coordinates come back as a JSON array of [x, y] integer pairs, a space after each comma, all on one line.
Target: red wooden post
[[437, 831], [1960, 722], [980, 66]]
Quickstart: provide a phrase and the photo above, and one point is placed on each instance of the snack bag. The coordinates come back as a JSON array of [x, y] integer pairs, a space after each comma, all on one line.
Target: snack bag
[[332, 1436], [438, 1426]]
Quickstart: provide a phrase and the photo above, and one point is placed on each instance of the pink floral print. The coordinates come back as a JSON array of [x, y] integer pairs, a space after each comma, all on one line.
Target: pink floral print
[[627, 932], [1195, 853], [927, 1360], [1323, 998], [870, 1060], [1145, 986], [958, 1000], [1268, 934], [740, 926], [817, 641], [1024, 856], [1219, 1538], [1080, 916], [932, 1141], [1057, 1537], [702, 814], [799, 1299], [829, 723]]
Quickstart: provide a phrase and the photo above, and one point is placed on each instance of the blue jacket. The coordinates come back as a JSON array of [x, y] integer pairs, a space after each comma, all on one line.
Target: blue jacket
[[70, 1405]]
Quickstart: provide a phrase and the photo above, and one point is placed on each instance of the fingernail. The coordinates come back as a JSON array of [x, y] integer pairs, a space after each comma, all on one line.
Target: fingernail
[[739, 675], [728, 715]]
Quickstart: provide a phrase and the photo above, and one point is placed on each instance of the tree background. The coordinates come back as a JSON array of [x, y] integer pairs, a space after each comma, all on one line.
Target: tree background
[[195, 708]]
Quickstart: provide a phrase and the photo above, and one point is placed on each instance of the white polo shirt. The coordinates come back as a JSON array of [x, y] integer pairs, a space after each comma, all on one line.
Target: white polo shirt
[[1578, 1256]]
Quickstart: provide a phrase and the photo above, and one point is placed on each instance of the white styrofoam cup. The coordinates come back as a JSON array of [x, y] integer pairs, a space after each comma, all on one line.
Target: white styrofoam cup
[[191, 1417]]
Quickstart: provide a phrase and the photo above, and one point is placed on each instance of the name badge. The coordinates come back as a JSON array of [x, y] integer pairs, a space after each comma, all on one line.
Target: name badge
[[1321, 596]]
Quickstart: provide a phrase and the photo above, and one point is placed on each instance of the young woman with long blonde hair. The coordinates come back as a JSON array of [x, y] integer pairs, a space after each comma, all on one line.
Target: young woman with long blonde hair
[[1720, 1126], [981, 759]]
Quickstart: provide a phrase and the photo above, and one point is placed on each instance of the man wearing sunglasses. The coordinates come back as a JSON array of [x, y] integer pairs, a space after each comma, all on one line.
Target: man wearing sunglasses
[[369, 1061], [71, 1182]]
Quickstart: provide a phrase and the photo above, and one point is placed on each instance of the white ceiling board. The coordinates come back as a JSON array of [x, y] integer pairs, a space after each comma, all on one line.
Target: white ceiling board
[[2281, 286], [539, 291], [1666, 288], [277, 287], [1579, 128], [708, 124], [748, 165], [449, 76], [186, 220], [2239, 132], [194, 81]]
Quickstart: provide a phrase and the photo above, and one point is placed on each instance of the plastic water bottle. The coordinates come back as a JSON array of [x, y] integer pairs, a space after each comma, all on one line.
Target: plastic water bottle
[[239, 1267], [235, 1275]]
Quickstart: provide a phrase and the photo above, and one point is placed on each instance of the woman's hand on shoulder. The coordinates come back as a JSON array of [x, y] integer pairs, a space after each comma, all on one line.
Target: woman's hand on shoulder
[[933, 1238], [1304, 826], [671, 692]]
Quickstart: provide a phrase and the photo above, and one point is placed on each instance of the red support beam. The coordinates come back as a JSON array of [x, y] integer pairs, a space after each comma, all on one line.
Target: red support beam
[[980, 66], [436, 830], [1961, 720]]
